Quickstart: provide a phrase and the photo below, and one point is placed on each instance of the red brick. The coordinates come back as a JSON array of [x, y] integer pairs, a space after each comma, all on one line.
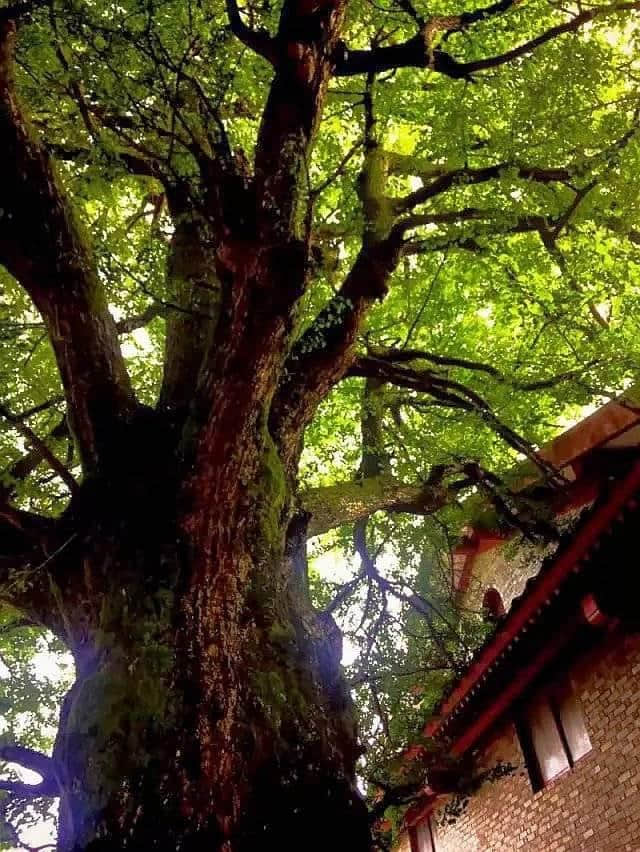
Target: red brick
[[592, 808]]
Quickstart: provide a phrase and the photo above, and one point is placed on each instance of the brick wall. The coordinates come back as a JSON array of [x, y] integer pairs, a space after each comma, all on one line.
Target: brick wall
[[595, 806]]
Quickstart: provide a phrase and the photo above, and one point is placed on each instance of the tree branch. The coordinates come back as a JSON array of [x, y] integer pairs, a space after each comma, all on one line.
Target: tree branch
[[17, 11], [34, 761], [257, 40], [323, 354], [400, 356], [618, 227], [346, 502], [25, 465], [42, 246], [35, 554], [457, 23], [396, 795], [449, 393], [403, 593], [129, 324], [135, 163], [21, 526], [41, 448], [375, 488], [375, 459], [196, 291], [580, 20], [466, 176], [306, 38], [419, 52], [325, 351]]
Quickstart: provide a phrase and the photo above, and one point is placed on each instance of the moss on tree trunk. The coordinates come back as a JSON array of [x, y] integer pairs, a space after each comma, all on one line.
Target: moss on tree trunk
[[209, 712]]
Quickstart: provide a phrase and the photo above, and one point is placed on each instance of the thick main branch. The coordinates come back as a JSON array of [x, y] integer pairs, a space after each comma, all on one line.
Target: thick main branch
[[346, 502], [42, 245]]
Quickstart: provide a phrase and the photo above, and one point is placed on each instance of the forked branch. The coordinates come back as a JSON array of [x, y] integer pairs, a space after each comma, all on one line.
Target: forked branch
[[449, 393]]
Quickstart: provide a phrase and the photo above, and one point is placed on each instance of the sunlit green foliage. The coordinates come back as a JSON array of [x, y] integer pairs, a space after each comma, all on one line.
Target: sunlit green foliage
[[541, 284]]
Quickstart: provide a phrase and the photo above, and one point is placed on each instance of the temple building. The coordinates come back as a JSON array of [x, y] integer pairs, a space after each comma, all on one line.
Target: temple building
[[548, 710]]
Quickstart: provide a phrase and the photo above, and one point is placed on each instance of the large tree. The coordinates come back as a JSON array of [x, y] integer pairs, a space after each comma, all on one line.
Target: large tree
[[268, 272]]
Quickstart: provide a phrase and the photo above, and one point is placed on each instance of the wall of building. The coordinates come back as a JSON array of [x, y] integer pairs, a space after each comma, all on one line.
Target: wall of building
[[506, 567], [595, 806]]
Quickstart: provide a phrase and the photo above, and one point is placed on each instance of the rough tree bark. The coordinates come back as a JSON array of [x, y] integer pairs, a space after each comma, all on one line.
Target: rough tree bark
[[209, 710]]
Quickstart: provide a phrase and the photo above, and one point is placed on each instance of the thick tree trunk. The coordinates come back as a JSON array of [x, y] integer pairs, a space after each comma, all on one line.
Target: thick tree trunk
[[210, 710]]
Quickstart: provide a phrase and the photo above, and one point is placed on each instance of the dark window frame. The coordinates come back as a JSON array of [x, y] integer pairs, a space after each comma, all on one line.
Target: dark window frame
[[554, 694], [492, 604], [431, 837]]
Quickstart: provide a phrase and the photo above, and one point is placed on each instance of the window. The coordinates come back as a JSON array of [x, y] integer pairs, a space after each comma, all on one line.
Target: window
[[492, 604], [552, 733], [422, 836]]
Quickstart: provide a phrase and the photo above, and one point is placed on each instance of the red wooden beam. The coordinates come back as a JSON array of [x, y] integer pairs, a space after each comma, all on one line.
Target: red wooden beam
[[420, 809], [524, 677], [591, 612]]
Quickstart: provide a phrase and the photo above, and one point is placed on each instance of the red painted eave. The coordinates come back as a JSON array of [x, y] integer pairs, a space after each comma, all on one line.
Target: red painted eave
[[567, 452], [540, 594], [604, 425]]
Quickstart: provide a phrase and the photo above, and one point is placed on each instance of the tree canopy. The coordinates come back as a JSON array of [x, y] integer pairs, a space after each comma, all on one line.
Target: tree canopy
[[467, 200]]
